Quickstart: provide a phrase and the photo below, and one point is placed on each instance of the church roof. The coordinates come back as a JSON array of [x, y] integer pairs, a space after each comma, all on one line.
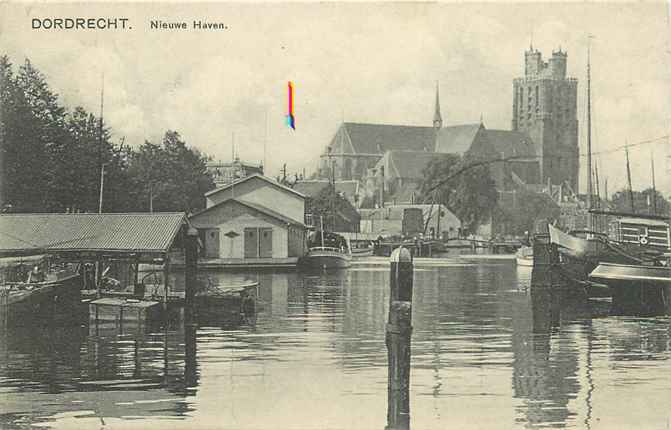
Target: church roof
[[362, 138], [408, 164], [406, 193], [457, 139], [311, 188], [511, 143]]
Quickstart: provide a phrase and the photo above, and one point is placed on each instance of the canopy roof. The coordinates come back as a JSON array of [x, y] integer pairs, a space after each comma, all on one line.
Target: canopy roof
[[119, 233]]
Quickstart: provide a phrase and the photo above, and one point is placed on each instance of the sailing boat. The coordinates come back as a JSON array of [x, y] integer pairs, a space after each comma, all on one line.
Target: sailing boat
[[634, 242], [579, 247]]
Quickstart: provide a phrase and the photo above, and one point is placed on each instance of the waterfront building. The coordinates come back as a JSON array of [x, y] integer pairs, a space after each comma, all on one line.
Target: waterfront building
[[252, 218], [392, 220]]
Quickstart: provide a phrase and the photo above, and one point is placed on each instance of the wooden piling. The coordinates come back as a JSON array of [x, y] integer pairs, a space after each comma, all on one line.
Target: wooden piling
[[545, 257], [166, 275], [191, 273], [398, 333]]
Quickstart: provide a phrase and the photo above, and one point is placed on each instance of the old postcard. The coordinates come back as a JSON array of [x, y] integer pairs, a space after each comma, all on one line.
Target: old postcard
[[335, 215]]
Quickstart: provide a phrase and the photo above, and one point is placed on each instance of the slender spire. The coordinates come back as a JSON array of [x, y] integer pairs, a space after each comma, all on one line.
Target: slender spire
[[437, 117]]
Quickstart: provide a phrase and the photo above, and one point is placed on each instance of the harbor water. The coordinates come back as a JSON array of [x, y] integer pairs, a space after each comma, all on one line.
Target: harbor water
[[486, 354]]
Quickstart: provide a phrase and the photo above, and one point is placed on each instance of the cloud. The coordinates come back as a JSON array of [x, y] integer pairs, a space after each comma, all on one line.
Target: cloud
[[360, 62]]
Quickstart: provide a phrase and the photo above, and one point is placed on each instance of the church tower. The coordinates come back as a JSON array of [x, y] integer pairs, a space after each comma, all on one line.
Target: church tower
[[437, 118], [545, 107]]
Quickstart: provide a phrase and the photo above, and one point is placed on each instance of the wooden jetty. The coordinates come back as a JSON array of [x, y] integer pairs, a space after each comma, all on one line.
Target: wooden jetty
[[431, 247], [288, 263], [105, 287], [107, 248]]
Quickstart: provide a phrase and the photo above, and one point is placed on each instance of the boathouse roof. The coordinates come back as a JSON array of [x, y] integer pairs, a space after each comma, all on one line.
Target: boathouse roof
[[140, 233], [205, 216], [255, 176]]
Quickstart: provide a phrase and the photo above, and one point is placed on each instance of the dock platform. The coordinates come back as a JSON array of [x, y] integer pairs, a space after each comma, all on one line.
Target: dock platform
[[123, 311], [241, 263]]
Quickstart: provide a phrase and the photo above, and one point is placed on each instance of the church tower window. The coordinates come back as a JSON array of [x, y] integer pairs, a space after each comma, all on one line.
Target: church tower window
[[547, 113]]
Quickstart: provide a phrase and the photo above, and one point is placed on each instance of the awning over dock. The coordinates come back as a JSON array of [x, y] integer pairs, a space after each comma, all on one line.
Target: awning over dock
[[141, 236]]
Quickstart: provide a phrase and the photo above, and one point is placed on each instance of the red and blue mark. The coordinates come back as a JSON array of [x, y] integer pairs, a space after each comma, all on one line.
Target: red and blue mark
[[291, 120]]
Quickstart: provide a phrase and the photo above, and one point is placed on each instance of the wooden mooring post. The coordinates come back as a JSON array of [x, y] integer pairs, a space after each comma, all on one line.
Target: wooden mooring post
[[191, 274], [398, 333]]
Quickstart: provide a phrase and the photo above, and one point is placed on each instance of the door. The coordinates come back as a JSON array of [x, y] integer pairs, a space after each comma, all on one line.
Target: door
[[266, 242], [251, 242], [212, 243]]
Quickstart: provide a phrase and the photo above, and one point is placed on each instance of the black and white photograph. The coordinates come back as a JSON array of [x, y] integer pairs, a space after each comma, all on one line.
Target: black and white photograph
[[280, 215]]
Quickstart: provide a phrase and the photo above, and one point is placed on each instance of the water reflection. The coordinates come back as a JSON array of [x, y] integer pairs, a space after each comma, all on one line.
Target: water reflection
[[315, 357], [55, 371]]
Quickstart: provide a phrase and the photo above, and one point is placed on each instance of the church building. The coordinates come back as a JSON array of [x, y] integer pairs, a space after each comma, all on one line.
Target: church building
[[389, 160], [545, 108]]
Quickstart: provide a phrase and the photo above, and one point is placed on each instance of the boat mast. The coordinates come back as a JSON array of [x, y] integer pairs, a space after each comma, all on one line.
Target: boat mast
[[654, 189], [100, 146], [590, 223], [321, 221], [631, 192], [596, 182]]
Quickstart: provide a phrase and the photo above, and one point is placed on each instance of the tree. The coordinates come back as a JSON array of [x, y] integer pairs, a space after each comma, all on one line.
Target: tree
[[644, 202], [326, 205], [520, 215], [463, 186], [170, 176], [51, 158], [30, 120]]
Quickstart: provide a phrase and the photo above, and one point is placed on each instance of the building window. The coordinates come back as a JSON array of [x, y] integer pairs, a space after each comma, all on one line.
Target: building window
[[536, 95]]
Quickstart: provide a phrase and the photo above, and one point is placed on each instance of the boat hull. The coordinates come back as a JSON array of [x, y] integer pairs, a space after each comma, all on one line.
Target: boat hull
[[324, 260], [356, 253], [56, 302], [647, 275], [636, 289], [226, 304]]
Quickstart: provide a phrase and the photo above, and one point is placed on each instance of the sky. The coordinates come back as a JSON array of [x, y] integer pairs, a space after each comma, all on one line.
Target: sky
[[359, 62]]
